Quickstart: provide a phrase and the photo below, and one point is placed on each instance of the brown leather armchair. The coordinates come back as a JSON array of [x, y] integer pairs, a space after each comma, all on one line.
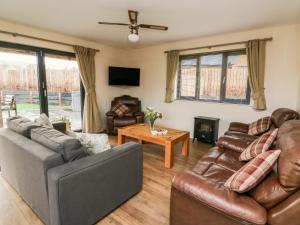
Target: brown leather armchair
[[135, 115], [198, 196]]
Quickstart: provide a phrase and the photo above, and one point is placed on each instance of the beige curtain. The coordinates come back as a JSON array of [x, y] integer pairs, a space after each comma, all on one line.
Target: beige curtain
[[91, 115], [256, 51], [1, 119], [172, 64]]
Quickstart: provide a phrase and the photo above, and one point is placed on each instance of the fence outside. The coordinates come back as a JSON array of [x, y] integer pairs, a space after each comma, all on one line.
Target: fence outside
[[24, 78], [210, 82], [21, 80]]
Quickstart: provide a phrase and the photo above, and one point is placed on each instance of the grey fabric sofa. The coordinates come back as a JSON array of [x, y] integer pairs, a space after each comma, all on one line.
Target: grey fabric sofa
[[78, 192]]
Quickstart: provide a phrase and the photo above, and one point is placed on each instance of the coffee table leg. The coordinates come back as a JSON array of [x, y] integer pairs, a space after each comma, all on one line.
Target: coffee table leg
[[121, 138], [185, 146], [169, 154]]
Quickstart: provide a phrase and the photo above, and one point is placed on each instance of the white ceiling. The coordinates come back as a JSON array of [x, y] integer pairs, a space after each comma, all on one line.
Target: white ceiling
[[185, 18]]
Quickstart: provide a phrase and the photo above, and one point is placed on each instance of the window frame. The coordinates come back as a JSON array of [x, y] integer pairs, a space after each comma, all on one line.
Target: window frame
[[41, 70], [223, 80]]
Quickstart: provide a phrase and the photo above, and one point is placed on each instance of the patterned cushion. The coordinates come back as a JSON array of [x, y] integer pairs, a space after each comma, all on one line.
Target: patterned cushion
[[120, 109], [253, 172], [44, 121], [94, 143], [258, 146], [260, 126]]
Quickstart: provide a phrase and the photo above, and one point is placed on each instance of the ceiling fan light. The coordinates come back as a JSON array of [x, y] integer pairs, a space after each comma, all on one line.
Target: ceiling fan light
[[133, 37]]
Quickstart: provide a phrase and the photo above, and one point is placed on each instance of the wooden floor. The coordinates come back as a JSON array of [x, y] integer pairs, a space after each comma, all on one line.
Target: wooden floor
[[150, 206]]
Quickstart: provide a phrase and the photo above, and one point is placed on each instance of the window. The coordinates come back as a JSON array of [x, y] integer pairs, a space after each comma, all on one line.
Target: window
[[215, 77], [188, 77], [41, 81], [63, 89]]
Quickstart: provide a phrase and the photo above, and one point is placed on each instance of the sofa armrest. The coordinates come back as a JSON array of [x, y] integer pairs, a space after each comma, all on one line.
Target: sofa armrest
[[138, 114], [139, 117], [233, 143], [220, 200], [83, 191], [111, 113], [239, 127], [110, 122]]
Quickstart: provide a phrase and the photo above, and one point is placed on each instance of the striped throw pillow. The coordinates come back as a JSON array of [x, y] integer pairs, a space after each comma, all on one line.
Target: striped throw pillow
[[253, 172], [260, 126], [262, 144], [120, 109]]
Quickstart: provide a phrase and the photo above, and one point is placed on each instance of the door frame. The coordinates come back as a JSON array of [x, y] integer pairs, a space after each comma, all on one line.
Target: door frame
[[41, 70]]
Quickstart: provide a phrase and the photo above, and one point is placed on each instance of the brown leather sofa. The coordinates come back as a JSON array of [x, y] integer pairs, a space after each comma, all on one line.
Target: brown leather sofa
[[278, 117], [198, 196], [134, 116]]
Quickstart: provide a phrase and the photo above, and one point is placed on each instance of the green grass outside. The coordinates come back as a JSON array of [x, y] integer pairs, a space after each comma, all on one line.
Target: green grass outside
[[28, 106]]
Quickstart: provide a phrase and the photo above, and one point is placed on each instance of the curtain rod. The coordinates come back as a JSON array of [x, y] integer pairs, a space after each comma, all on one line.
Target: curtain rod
[[37, 38], [217, 45]]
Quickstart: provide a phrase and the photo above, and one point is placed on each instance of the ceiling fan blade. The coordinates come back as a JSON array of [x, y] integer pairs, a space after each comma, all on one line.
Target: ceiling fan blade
[[133, 16], [109, 23], [155, 27]]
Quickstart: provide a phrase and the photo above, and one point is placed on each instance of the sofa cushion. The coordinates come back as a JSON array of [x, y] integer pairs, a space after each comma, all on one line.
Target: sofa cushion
[[260, 126], [120, 109], [288, 163], [281, 115], [129, 114], [94, 143], [225, 158], [212, 155], [239, 127], [260, 145], [253, 172], [124, 121], [288, 126], [270, 192], [233, 143], [70, 148], [230, 160], [242, 136], [217, 173], [21, 125], [201, 166], [214, 195]]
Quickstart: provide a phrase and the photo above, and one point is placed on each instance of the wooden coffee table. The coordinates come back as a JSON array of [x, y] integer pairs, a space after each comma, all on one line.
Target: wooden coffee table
[[142, 133]]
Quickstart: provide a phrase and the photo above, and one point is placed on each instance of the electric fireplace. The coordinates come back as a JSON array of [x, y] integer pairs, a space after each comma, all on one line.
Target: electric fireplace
[[206, 129]]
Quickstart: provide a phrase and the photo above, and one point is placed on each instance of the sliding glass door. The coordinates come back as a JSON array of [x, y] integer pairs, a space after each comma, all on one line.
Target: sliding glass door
[[40, 81], [19, 92], [63, 88]]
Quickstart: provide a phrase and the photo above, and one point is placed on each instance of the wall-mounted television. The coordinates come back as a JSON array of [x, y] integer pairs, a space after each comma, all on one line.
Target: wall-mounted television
[[123, 76]]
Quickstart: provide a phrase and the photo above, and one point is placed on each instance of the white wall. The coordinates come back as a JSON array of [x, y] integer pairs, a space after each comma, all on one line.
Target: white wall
[[107, 56], [282, 73], [298, 97], [281, 82]]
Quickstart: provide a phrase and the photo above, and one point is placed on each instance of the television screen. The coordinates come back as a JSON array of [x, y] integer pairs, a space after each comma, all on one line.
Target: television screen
[[124, 76]]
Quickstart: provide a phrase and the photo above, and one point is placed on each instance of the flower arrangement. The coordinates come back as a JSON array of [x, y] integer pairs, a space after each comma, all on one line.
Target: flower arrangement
[[151, 115]]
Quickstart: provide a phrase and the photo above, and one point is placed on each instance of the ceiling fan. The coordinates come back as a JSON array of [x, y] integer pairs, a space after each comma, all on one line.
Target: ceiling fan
[[134, 26]]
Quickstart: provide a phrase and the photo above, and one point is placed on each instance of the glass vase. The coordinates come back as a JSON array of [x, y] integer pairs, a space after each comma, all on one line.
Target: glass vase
[[151, 124]]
